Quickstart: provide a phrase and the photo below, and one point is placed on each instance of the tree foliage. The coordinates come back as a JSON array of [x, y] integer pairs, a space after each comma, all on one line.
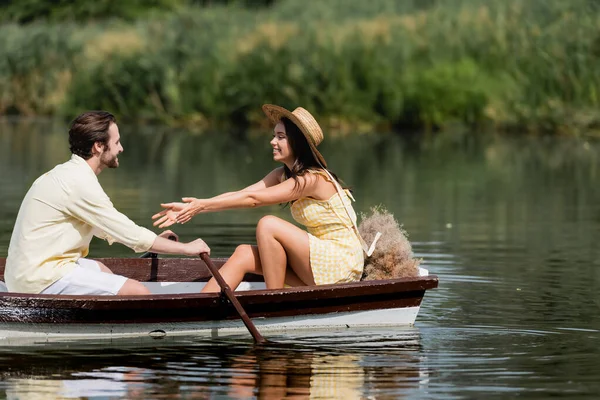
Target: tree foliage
[[26, 11]]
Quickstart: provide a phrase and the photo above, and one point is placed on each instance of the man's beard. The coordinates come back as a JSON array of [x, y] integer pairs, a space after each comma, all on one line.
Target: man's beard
[[110, 162]]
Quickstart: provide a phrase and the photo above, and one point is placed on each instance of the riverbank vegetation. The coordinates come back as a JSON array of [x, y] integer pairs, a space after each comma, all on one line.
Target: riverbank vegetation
[[528, 65]]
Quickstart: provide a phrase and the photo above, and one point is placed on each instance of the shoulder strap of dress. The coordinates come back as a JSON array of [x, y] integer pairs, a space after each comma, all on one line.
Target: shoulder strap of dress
[[367, 249]]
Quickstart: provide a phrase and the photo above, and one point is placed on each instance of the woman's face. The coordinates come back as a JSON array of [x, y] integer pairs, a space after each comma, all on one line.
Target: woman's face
[[282, 150]]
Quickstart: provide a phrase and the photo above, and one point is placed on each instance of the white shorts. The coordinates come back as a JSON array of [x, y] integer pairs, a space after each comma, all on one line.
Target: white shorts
[[87, 279]]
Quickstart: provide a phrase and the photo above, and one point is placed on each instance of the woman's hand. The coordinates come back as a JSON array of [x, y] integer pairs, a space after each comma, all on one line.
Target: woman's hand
[[168, 216], [193, 207]]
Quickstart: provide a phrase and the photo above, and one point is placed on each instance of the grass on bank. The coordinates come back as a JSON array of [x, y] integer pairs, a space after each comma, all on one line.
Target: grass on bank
[[513, 64]]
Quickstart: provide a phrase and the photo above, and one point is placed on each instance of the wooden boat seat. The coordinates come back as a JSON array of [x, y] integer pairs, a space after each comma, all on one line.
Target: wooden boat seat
[[165, 275], [160, 269], [170, 275]]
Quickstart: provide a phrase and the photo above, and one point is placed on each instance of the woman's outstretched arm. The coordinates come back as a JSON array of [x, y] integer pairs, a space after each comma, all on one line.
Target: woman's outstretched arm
[[167, 217], [271, 179], [283, 192]]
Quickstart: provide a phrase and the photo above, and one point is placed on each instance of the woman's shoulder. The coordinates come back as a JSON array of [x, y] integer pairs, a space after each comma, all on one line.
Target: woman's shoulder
[[310, 174], [277, 174], [319, 172]]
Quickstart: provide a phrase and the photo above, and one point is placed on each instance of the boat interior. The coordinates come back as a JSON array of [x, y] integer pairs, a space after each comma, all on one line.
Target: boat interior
[[170, 275]]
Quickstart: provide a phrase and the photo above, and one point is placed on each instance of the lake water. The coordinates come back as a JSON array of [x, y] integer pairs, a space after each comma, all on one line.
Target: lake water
[[509, 224]]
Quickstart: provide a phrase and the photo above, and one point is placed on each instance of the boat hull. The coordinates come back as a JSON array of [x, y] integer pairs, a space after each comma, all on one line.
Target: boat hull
[[18, 333], [180, 310]]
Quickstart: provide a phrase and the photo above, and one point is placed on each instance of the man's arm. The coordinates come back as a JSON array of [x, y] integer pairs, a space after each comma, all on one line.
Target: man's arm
[[162, 245], [88, 203]]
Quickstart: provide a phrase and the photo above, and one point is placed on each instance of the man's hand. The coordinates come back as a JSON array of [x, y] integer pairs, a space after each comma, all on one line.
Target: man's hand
[[168, 216], [196, 247], [168, 234]]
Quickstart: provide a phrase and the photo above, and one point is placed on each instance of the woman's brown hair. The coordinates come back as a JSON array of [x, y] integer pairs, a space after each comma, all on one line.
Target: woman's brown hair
[[304, 159]]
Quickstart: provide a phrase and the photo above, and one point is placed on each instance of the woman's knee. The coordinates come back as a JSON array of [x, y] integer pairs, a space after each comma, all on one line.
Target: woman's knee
[[132, 288], [246, 257], [267, 225], [243, 250]]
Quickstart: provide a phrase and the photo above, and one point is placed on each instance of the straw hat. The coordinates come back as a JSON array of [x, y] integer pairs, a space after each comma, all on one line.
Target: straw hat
[[304, 121]]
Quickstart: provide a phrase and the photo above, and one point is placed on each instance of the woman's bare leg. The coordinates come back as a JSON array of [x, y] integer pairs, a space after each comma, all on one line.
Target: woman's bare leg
[[282, 244], [244, 260]]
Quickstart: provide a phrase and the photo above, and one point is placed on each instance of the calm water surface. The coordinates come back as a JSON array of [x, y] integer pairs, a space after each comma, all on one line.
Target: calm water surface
[[510, 226]]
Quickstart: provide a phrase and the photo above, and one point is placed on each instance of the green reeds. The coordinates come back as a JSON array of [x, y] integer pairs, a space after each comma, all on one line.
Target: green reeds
[[515, 64]]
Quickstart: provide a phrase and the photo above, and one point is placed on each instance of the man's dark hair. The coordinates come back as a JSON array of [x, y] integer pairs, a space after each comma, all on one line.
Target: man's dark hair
[[87, 129]]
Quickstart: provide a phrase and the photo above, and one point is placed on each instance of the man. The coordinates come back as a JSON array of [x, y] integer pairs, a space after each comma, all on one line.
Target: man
[[65, 207]]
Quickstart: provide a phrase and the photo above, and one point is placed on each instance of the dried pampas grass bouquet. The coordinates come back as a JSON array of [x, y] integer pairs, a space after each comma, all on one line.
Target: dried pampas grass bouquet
[[393, 256]]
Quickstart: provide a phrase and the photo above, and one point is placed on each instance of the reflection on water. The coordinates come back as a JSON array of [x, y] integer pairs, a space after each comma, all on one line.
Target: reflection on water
[[299, 366], [509, 224]]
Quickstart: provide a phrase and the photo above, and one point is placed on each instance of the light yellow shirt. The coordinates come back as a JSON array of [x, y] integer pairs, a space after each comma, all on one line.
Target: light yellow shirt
[[60, 213]]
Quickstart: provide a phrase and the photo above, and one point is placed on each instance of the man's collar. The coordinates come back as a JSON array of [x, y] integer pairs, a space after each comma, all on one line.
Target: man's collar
[[77, 159], [80, 161]]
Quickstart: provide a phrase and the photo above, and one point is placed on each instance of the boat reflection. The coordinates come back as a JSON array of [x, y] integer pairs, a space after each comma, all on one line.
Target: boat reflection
[[350, 366]]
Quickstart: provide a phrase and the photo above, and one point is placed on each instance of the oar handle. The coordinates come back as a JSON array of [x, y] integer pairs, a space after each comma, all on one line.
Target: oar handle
[[236, 304]]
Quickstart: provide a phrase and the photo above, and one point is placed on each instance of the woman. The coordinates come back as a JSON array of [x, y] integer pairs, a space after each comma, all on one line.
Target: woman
[[330, 252]]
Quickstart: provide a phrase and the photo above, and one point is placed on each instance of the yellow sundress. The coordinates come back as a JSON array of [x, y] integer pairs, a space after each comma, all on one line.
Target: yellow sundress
[[336, 254]]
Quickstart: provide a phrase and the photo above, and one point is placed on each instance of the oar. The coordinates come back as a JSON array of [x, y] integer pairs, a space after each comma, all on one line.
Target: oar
[[229, 293]]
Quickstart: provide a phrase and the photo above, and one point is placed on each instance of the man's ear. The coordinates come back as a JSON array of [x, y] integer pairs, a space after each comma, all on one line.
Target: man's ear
[[97, 148]]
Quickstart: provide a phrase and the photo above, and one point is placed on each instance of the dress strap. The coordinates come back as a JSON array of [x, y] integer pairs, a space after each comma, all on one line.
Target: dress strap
[[367, 249]]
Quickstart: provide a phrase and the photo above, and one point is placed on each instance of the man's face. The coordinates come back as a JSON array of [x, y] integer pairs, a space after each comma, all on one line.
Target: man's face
[[110, 155]]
